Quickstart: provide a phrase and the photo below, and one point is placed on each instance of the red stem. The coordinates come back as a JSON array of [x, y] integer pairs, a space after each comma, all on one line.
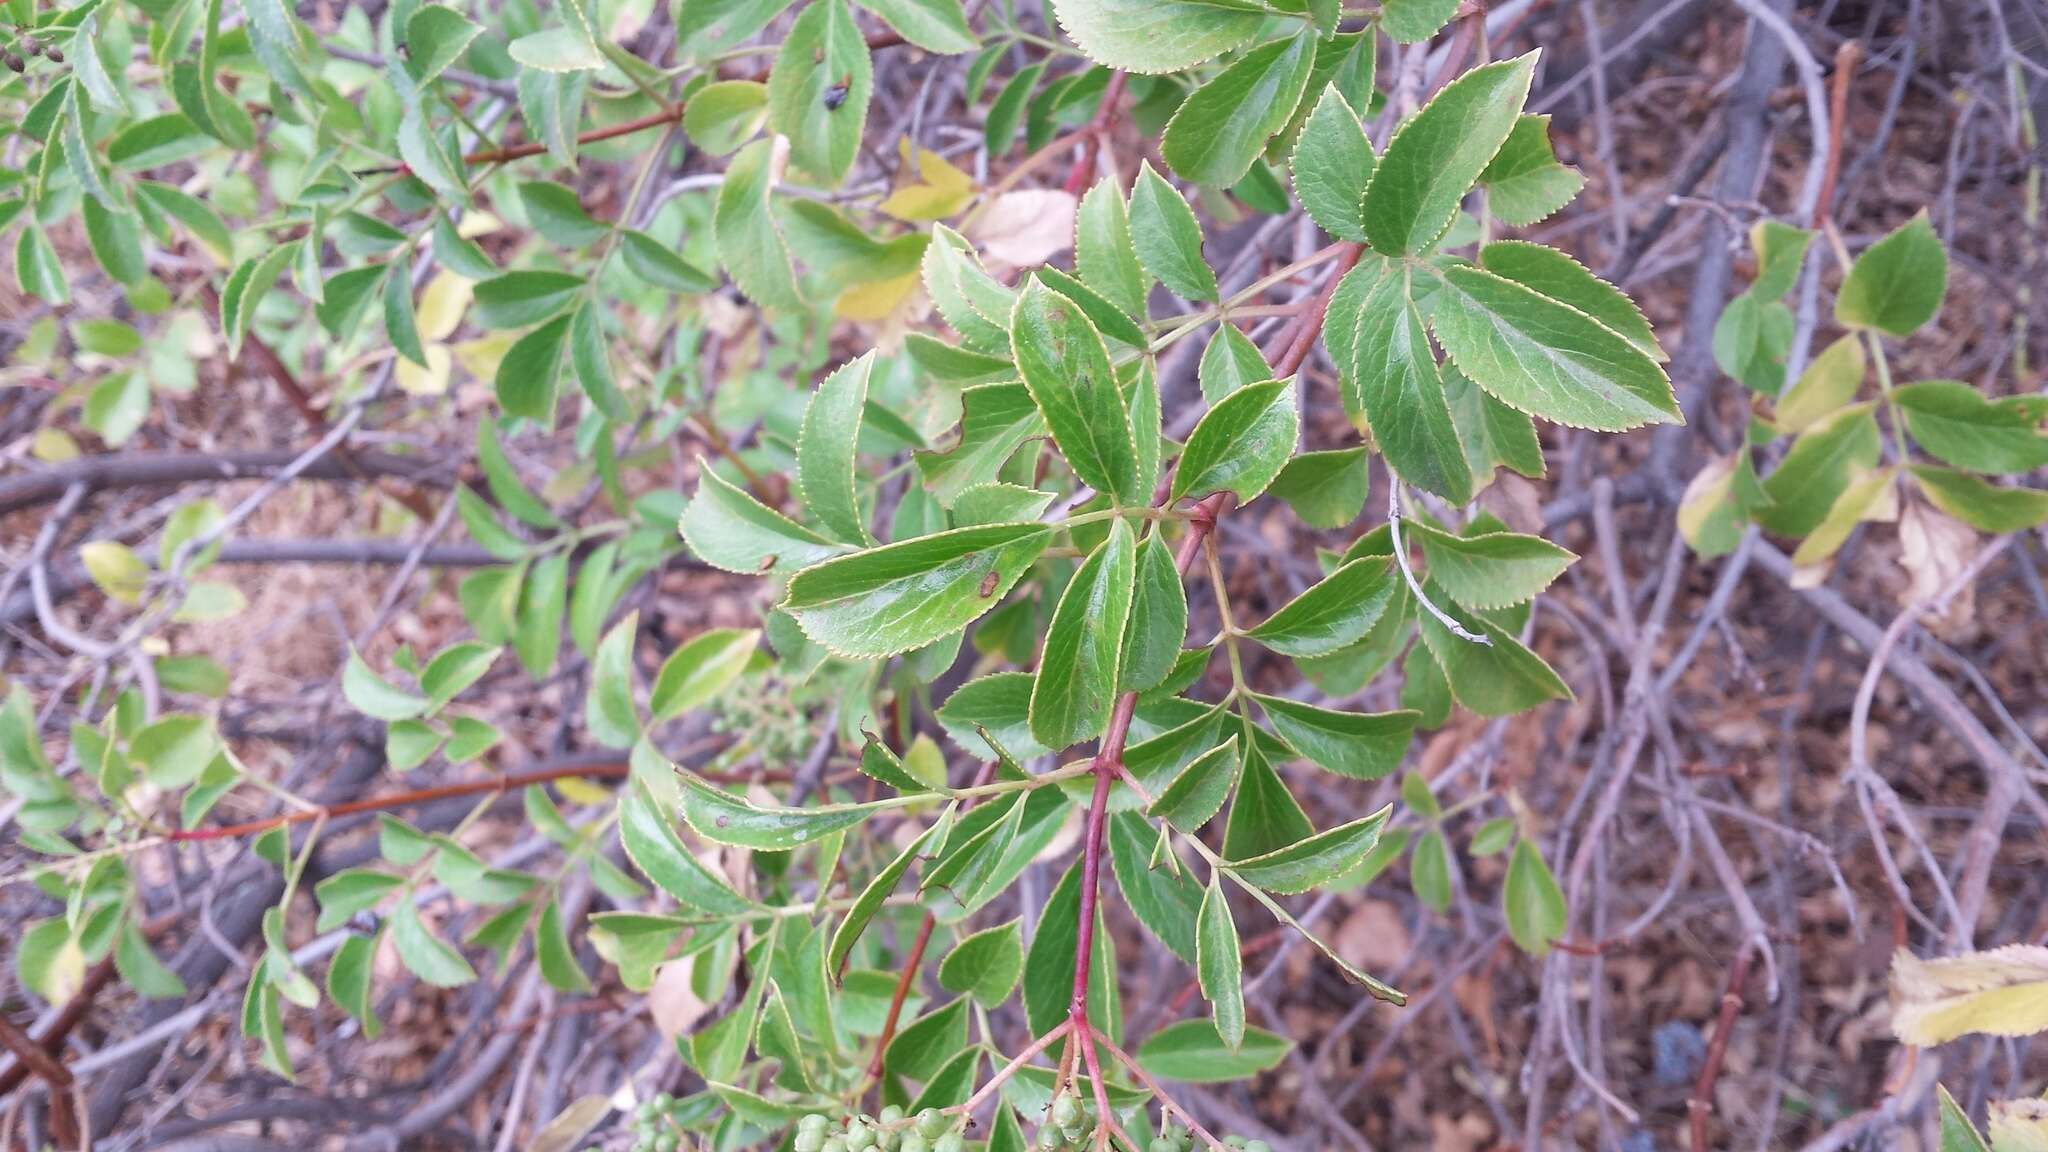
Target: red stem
[[1097, 130], [604, 770], [910, 966]]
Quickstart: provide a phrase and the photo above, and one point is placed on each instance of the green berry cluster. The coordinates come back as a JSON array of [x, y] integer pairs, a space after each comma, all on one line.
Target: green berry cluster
[[654, 1125], [1068, 1125], [930, 1130]]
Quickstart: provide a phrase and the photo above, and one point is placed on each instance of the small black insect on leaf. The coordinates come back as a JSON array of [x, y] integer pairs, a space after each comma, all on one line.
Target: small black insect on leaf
[[835, 96]]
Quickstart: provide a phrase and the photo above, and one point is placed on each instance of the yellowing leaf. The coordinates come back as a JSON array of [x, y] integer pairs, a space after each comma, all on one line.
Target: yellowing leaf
[[2002, 992], [115, 567], [876, 300], [941, 190], [441, 306], [577, 790], [1022, 229], [431, 380], [2019, 1125], [53, 446], [480, 357]]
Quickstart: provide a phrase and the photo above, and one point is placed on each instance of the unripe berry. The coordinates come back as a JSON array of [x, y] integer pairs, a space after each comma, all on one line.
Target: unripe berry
[[950, 1142], [1066, 1111], [54, 56]]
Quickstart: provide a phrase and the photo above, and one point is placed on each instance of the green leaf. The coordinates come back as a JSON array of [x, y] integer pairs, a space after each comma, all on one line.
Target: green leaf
[[116, 242], [985, 965], [874, 895], [1075, 687], [1413, 21], [1493, 569], [369, 694], [1154, 36], [1896, 285], [697, 672], [1532, 901], [1219, 966], [556, 956], [724, 818], [825, 450], [1158, 621], [518, 299], [1751, 341], [346, 893], [1165, 899], [1959, 427], [454, 669], [556, 213], [998, 704], [934, 25], [1313, 862], [902, 596], [819, 88], [973, 302], [1548, 359], [426, 955], [1333, 163], [435, 38], [995, 420], [1335, 613], [1230, 362], [954, 365], [651, 841], [999, 504], [924, 1045], [138, 966], [1223, 127], [1049, 963], [558, 49], [1780, 254], [1326, 489], [750, 244], [1980, 503], [1167, 236], [1108, 319], [245, 288], [1197, 793], [1429, 871], [1439, 153], [1066, 367], [551, 103], [1361, 746], [1391, 381], [348, 981], [1830, 381], [1565, 280], [1818, 467], [1241, 444], [1717, 505], [1195, 1052], [731, 530], [608, 711], [156, 142], [1105, 255], [722, 116], [528, 375], [1524, 182], [1006, 111], [1958, 1134], [1499, 678], [198, 219], [506, 487], [1265, 816]]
